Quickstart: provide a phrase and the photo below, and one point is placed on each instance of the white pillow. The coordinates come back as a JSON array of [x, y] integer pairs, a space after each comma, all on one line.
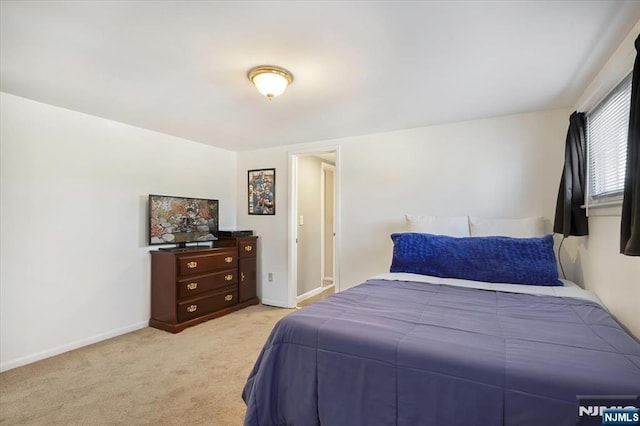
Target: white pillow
[[530, 227], [455, 226]]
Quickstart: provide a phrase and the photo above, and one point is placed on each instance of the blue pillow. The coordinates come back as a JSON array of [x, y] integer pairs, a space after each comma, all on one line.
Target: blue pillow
[[490, 259]]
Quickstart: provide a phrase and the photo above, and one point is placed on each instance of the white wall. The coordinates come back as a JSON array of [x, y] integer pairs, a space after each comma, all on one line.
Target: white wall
[[613, 277], [75, 266], [498, 167], [270, 229]]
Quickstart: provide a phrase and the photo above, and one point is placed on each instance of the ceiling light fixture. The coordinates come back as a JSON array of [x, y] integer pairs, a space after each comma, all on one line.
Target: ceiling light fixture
[[270, 81]]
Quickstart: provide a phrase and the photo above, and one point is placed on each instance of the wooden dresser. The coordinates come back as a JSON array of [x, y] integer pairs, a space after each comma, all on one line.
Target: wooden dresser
[[195, 285]]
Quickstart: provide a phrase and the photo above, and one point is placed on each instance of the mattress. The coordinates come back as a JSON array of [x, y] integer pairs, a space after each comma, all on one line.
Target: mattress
[[408, 350]]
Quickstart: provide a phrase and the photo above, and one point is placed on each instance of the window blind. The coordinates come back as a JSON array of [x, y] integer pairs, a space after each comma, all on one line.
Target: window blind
[[607, 128]]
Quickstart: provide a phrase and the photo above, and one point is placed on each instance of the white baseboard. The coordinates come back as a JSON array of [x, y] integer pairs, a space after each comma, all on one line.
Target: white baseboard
[[310, 293], [276, 303], [8, 365]]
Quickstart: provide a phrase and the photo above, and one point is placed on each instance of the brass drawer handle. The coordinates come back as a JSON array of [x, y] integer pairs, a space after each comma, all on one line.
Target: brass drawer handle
[[192, 286], [241, 276], [192, 265], [228, 277], [228, 297], [228, 259], [248, 248], [192, 308]]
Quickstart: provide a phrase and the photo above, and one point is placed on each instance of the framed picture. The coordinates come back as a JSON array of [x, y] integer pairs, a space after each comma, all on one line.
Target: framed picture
[[262, 191]]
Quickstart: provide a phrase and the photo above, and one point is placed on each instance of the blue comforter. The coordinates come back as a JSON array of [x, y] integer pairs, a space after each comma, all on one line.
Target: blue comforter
[[407, 353]]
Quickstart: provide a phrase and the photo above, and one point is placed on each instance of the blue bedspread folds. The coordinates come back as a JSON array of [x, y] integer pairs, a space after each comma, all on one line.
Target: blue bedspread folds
[[408, 353]]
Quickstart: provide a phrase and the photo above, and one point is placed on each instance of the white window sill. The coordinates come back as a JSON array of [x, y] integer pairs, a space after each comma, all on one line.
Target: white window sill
[[609, 208]]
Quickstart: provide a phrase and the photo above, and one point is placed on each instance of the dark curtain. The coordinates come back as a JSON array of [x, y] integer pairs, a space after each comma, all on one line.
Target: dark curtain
[[630, 224], [571, 219]]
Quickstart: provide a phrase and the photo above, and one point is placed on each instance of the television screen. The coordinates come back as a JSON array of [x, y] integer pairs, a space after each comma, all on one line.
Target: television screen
[[181, 220]]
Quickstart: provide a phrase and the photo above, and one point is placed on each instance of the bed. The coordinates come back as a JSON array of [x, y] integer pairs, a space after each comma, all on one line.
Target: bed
[[408, 348]]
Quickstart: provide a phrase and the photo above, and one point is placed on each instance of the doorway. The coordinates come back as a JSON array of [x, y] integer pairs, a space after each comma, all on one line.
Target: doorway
[[327, 222], [313, 225]]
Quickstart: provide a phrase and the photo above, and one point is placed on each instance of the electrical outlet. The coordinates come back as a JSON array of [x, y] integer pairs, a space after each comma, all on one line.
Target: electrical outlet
[[270, 275]]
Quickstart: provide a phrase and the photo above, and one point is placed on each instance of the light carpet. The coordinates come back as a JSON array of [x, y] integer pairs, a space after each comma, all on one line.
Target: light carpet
[[147, 377]]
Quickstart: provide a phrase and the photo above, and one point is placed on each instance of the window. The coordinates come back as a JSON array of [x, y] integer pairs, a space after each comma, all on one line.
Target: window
[[607, 128]]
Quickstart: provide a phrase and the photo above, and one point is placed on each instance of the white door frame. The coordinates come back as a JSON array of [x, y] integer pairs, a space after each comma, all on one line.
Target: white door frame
[[292, 282]]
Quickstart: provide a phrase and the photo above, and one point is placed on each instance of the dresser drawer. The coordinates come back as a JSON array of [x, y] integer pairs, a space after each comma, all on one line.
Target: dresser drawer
[[194, 285], [207, 304], [199, 263], [247, 247]]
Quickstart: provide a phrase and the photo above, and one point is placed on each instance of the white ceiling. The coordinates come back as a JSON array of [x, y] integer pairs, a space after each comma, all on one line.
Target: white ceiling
[[179, 67]]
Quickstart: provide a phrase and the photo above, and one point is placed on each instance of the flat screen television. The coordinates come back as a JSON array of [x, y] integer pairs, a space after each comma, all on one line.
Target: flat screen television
[[182, 220]]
